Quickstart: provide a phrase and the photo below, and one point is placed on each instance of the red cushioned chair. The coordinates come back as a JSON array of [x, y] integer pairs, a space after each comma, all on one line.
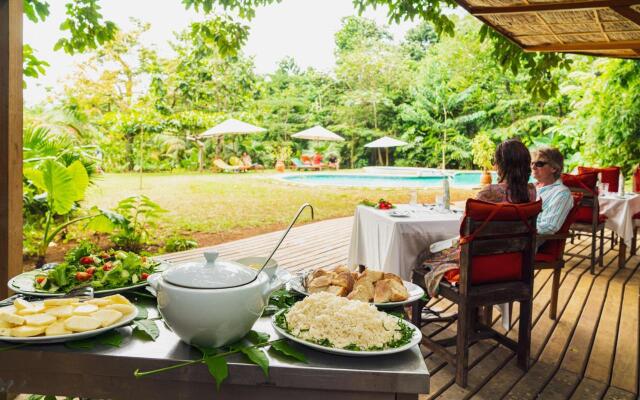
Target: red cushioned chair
[[610, 175], [636, 217], [551, 254], [588, 218], [496, 266]]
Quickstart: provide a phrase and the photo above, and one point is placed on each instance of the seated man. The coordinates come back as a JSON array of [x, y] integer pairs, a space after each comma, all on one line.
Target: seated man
[[546, 167], [333, 161]]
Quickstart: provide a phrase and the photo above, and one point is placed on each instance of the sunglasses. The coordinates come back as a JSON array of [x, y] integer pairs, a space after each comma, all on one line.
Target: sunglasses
[[539, 164]]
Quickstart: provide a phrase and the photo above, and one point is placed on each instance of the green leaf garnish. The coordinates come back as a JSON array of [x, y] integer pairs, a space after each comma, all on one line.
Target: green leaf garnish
[[147, 328], [257, 357], [218, 368], [285, 349], [256, 337], [112, 338]]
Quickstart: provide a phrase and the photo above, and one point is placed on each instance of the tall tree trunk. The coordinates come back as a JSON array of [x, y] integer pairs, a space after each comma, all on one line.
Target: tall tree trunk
[[375, 115], [129, 152]]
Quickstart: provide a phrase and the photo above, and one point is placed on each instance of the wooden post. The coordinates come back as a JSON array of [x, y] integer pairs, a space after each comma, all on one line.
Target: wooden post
[[10, 141]]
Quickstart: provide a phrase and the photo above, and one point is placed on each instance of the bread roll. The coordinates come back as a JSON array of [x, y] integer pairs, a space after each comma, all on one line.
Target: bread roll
[[343, 279]]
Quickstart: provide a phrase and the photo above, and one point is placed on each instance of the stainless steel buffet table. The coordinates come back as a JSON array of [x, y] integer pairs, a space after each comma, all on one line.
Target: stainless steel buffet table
[[107, 372]]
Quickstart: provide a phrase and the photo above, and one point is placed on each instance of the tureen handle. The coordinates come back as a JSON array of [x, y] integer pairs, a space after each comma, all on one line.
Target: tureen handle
[[211, 257]]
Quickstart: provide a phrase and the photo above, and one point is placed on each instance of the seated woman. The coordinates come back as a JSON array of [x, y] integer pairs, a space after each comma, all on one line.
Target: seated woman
[[246, 160], [512, 162], [317, 159]]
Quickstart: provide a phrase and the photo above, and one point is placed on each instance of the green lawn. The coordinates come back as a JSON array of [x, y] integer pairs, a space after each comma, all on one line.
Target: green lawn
[[219, 207]]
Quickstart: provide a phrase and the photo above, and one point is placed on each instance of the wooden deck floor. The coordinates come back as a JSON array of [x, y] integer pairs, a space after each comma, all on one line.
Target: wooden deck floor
[[590, 352]]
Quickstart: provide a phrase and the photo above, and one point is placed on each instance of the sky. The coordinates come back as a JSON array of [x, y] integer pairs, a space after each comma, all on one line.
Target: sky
[[302, 29]]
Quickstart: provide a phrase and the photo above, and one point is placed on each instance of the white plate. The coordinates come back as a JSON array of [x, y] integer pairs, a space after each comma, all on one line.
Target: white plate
[[415, 292], [400, 214], [73, 336], [415, 339], [23, 283]]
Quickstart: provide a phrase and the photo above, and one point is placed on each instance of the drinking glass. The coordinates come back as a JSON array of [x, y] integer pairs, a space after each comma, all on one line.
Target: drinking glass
[[439, 202], [413, 200], [605, 188]]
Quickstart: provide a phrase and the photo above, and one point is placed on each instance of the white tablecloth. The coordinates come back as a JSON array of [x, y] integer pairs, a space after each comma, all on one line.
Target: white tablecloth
[[392, 244], [619, 212]]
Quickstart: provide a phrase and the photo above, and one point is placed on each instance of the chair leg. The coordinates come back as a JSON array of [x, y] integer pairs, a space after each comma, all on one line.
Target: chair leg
[[633, 241], [524, 335], [416, 313], [555, 288], [601, 256], [465, 320], [593, 251]]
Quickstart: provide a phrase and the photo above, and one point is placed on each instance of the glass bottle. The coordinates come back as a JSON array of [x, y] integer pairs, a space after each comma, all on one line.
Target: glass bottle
[[446, 194]]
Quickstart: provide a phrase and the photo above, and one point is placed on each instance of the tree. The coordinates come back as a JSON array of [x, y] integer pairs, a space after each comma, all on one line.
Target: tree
[[537, 66]]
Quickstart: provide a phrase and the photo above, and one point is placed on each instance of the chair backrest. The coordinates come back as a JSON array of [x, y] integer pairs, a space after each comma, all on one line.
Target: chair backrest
[[636, 179], [610, 175], [497, 242], [317, 159], [305, 159], [589, 209], [296, 162], [555, 247]]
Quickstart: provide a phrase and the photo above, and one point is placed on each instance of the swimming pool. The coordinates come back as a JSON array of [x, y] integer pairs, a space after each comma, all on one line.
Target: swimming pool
[[460, 179]]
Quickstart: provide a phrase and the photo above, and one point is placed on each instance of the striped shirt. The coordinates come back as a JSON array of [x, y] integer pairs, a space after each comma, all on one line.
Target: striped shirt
[[556, 204]]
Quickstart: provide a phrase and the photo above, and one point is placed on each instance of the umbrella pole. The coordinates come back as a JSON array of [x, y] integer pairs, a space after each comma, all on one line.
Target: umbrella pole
[[379, 156], [141, 156], [387, 150]]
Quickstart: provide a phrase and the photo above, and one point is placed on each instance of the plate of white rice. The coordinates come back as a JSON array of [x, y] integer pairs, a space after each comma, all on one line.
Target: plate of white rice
[[338, 325]]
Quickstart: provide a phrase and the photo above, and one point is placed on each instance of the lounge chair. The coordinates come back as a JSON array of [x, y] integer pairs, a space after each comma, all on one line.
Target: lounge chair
[[224, 167], [298, 165]]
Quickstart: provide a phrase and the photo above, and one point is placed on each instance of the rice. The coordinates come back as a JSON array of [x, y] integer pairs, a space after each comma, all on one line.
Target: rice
[[343, 322]]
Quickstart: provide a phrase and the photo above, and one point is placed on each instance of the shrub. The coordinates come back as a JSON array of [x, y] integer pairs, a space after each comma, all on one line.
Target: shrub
[[178, 243]]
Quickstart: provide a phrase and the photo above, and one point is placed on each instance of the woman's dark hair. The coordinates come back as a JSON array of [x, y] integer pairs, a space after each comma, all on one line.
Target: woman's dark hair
[[513, 163]]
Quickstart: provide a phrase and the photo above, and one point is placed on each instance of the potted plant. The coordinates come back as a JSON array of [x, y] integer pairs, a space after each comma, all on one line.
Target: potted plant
[[482, 149]]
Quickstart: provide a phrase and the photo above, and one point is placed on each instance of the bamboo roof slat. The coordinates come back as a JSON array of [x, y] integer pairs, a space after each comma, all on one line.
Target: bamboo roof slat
[[593, 27]]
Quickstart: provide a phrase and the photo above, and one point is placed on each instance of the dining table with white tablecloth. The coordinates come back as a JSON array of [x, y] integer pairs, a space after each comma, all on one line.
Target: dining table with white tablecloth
[[619, 210], [397, 240]]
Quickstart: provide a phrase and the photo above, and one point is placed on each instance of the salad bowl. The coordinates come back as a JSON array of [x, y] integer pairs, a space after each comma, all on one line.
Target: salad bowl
[[214, 303]]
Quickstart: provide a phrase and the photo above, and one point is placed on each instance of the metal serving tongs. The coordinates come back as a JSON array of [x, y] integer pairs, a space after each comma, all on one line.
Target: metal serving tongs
[[305, 205]]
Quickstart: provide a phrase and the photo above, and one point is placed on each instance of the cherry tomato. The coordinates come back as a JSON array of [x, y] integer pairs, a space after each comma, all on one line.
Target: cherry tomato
[[91, 270], [107, 266], [105, 256], [40, 279], [144, 276], [86, 260], [82, 276]]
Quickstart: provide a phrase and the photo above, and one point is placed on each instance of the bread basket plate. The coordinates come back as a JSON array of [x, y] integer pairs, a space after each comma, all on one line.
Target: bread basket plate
[[124, 320], [415, 340], [415, 292]]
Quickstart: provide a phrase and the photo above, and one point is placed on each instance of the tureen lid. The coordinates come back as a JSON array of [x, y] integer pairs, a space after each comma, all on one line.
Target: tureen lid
[[212, 274]]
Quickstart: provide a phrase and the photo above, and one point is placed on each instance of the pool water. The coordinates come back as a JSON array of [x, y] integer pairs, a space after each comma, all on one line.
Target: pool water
[[353, 180]]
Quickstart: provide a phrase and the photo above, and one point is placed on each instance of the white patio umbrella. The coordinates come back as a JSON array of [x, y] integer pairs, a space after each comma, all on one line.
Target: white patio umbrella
[[228, 127], [231, 127], [385, 142], [318, 133]]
